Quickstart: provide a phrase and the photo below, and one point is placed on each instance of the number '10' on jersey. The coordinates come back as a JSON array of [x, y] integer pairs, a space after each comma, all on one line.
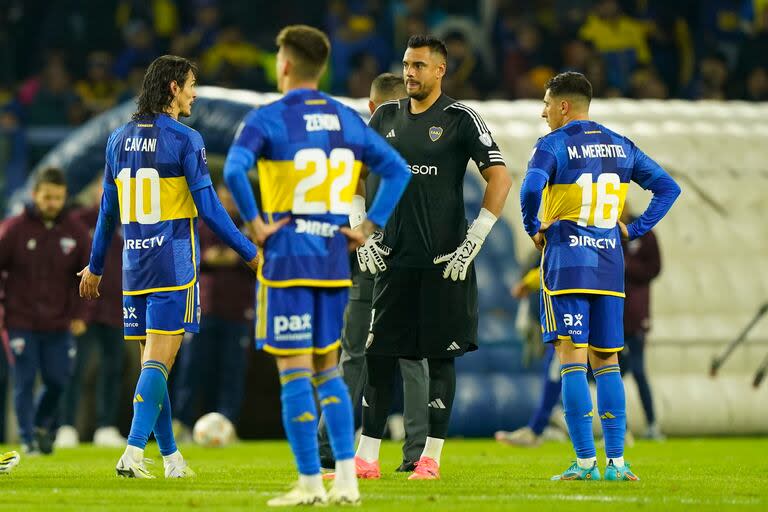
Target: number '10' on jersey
[[154, 164]]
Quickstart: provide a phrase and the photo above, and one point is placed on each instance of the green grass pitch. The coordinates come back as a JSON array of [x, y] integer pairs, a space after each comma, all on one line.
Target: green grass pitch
[[478, 475]]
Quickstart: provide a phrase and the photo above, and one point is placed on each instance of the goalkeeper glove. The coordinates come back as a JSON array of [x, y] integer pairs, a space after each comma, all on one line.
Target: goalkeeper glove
[[458, 261], [370, 256]]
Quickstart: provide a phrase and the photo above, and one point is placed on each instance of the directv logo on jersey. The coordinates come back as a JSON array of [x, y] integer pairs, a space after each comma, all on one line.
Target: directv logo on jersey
[[143, 243], [588, 241], [315, 227], [429, 170], [298, 327], [320, 122]]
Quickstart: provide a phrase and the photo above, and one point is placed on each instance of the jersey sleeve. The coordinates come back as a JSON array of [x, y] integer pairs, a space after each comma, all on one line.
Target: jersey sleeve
[[251, 134], [195, 163], [543, 160], [109, 175], [248, 144], [645, 169], [481, 146]]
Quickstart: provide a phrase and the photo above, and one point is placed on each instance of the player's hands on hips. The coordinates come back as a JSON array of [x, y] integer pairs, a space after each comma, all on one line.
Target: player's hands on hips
[[538, 238], [254, 263], [458, 261], [260, 230], [89, 284], [624, 231], [77, 327], [370, 256]]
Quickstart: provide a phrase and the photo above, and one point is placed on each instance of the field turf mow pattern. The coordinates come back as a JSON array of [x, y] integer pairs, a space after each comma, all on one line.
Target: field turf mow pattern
[[689, 474]]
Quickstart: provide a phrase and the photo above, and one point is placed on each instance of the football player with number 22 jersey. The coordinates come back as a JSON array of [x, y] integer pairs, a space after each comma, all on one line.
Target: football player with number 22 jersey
[[309, 149]]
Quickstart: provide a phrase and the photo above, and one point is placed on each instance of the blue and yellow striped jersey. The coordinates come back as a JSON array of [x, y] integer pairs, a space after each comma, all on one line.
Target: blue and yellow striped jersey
[[588, 169], [309, 150], [155, 164]]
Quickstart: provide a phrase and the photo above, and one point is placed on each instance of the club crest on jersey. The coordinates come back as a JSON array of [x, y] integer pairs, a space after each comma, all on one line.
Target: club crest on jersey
[[486, 139], [435, 132], [67, 244], [205, 157]]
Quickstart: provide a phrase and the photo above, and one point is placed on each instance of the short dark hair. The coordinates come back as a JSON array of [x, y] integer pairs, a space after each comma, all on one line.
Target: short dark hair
[[52, 175], [570, 83], [389, 85], [155, 96], [309, 46], [435, 45]]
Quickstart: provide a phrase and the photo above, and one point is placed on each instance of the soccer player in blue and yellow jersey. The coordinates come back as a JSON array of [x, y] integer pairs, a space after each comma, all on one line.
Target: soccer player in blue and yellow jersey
[[309, 149], [584, 170], [156, 184]]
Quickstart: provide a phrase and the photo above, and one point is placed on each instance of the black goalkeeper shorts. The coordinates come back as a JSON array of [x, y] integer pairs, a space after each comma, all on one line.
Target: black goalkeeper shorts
[[416, 313]]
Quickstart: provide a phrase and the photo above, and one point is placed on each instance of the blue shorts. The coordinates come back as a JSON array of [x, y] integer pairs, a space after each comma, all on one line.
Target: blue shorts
[[299, 319], [586, 319], [173, 312]]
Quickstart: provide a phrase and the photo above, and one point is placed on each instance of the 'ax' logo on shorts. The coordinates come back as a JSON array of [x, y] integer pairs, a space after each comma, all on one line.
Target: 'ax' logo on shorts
[[129, 313], [572, 320]]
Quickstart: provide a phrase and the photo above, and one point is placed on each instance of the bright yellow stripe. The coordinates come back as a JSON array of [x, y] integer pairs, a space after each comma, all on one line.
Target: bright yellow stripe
[[131, 338], [318, 283], [161, 289], [286, 351], [564, 338], [585, 290], [278, 180], [596, 349], [575, 369], [293, 376], [333, 346], [315, 102], [610, 370], [562, 201], [261, 321], [170, 333], [550, 313], [162, 370], [175, 198]]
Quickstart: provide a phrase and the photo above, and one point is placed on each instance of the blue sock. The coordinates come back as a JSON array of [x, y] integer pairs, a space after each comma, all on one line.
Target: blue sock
[[337, 409], [164, 428], [577, 404], [151, 388], [300, 418], [612, 407]]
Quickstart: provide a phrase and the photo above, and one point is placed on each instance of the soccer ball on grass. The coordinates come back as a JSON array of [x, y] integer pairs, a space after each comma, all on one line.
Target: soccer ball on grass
[[213, 430]]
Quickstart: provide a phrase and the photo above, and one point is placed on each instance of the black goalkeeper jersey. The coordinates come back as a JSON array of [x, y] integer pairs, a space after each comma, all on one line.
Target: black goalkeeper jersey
[[437, 144]]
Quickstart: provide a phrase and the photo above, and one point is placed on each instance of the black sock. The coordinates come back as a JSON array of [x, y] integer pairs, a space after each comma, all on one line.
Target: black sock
[[377, 394], [442, 389]]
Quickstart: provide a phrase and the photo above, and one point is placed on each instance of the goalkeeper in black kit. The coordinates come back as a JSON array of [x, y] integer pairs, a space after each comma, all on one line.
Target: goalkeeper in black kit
[[425, 302]]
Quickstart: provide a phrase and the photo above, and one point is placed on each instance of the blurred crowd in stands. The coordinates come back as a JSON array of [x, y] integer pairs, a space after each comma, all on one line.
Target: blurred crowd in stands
[[64, 62]]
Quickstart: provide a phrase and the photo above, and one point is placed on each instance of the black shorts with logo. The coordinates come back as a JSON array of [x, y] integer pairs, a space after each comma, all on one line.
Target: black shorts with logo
[[417, 313]]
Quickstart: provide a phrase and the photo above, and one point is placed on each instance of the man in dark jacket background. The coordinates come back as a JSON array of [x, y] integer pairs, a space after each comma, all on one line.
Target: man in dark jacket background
[[642, 264], [104, 334], [41, 250]]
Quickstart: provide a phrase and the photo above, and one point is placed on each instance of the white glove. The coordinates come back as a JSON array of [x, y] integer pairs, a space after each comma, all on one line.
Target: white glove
[[458, 261], [370, 256]]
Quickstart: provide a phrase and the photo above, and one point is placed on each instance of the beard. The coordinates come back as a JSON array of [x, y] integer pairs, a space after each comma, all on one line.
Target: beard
[[421, 93]]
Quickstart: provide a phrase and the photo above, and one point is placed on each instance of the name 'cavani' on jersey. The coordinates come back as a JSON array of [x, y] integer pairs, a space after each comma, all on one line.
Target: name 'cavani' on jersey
[[155, 164], [437, 144]]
